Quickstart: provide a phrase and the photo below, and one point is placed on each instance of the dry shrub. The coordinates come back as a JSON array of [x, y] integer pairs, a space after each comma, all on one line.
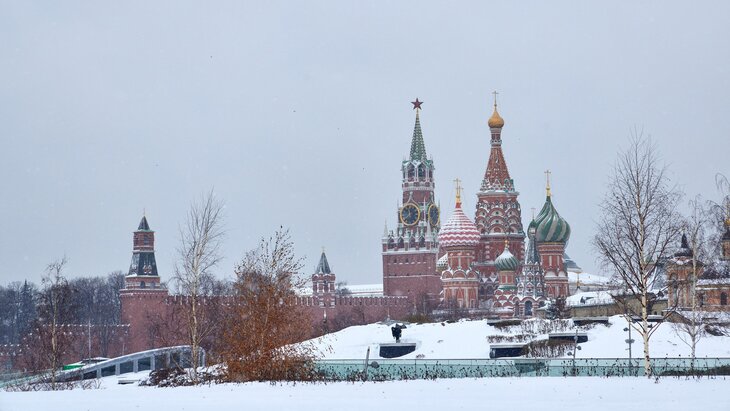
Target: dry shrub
[[265, 327], [517, 338], [547, 349], [538, 326]]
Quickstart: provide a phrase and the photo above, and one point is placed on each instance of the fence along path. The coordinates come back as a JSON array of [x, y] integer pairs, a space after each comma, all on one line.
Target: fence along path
[[395, 369]]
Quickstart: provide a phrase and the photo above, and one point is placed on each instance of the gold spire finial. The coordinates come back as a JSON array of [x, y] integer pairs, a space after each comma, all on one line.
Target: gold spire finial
[[458, 192], [547, 182], [506, 244]]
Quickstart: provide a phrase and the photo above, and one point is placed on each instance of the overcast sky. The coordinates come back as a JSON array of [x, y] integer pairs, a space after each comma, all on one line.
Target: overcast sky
[[299, 114]]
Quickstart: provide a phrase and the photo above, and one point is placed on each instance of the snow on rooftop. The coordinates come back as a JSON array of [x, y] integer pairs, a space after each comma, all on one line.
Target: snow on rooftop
[[587, 278], [363, 290], [590, 298]]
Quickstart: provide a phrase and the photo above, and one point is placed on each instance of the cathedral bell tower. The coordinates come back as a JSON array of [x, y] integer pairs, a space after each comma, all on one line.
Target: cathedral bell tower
[[410, 249], [498, 214]]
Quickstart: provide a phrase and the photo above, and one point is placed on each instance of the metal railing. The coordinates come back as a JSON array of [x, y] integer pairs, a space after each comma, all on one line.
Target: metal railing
[[383, 370]]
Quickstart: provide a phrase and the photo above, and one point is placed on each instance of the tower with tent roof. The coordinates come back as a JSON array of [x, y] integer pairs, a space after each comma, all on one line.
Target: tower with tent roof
[[410, 248]]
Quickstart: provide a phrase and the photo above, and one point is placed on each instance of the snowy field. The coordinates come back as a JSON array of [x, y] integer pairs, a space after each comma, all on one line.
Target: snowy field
[[468, 339], [556, 393]]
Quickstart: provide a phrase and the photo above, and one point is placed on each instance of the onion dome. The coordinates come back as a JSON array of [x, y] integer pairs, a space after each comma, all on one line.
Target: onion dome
[[458, 229], [551, 228], [532, 227], [442, 263], [506, 261], [496, 121]]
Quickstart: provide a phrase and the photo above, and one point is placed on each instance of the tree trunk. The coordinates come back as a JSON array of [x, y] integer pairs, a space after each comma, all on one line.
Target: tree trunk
[[645, 334]]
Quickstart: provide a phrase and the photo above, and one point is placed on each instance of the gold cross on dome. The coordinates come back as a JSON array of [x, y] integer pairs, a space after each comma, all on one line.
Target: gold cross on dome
[[547, 182], [458, 190], [494, 93]]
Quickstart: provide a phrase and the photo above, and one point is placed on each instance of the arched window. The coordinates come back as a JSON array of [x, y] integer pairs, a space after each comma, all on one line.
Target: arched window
[[143, 285], [400, 242], [422, 242], [528, 308], [411, 172], [723, 298], [421, 171]]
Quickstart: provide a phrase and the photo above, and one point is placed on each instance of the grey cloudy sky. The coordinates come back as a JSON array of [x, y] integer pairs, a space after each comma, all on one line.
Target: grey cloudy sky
[[298, 114]]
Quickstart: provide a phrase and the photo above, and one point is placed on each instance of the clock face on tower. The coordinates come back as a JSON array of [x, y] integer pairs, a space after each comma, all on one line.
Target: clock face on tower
[[410, 214], [433, 215]]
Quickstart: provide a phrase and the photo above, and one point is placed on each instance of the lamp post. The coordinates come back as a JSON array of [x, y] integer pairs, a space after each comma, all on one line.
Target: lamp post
[[575, 350], [629, 341]]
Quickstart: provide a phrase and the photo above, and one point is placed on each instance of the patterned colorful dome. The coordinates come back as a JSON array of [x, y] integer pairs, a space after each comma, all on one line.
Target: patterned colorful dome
[[458, 230], [506, 261], [442, 263], [551, 227]]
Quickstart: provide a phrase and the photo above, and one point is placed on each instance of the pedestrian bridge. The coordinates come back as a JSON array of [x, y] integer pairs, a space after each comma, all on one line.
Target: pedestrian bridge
[[178, 356]]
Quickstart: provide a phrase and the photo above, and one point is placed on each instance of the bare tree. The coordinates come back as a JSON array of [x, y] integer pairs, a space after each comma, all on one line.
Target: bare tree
[[55, 307], [198, 254], [341, 289], [265, 325], [638, 223], [691, 327]]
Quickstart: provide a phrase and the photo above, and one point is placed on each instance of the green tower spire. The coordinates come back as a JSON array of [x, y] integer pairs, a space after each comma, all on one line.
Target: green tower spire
[[418, 148]]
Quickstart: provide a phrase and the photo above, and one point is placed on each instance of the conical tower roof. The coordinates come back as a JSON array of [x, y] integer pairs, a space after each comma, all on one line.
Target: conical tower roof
[[418, 147], [323, 267], [143, 225]]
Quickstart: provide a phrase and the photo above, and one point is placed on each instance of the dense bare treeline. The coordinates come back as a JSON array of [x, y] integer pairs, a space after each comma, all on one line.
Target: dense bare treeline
[[92, 300]]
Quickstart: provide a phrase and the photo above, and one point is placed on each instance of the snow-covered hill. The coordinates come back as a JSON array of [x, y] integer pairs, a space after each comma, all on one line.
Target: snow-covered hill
[[469, 339]]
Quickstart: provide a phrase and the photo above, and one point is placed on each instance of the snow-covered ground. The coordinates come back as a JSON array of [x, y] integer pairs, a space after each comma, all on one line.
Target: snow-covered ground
[[464, 339], [552, 393], [469, 339]]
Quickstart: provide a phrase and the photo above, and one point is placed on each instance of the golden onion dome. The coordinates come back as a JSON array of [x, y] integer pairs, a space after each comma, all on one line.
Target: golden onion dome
[[496, 121]]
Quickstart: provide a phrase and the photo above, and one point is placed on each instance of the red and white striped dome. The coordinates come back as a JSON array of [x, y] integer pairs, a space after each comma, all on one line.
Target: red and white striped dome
[[458, 231]]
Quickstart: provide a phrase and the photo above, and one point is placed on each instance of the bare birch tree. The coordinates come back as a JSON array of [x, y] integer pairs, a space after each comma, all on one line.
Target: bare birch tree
[[198, 254], [51, 340], [638, 223], [691, 327]]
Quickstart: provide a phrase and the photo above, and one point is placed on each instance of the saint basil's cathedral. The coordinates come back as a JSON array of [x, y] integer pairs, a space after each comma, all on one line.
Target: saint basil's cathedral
[[482, 264]]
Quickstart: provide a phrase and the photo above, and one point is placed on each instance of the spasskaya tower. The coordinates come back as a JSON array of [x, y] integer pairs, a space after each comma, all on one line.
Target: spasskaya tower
[[410, 249]]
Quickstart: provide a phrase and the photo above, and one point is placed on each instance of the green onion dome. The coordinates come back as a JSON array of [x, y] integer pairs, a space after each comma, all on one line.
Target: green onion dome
[[551, 227], [442, 263], [506, 261]]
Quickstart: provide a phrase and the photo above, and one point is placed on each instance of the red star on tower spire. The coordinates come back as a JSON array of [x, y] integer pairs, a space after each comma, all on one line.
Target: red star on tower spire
[[417, 104]]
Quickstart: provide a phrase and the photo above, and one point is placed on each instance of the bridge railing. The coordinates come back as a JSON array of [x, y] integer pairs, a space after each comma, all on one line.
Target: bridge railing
[[154, 359]]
